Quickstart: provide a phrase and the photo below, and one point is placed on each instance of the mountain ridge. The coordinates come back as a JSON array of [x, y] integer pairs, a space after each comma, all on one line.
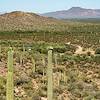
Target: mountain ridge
[[74, 12]]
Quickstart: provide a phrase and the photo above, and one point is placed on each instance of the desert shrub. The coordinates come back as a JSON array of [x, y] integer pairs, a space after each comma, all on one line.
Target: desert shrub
[[77, 58], [70, 48], [40, 47], [43, 93], [36, 97], [97, 51], [97, 95], [60, 49], [23, 78], [2, 97], [67, 58], [90, 97], [97, 58], [88, 53], [39, 70], [2, 88], [2, 82]]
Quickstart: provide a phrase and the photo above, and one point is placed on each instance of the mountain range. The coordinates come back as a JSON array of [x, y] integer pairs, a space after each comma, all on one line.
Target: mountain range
[[25, 21], [74, 12]]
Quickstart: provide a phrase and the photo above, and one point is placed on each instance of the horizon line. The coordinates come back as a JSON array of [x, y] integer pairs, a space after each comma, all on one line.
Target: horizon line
[[9, 11]]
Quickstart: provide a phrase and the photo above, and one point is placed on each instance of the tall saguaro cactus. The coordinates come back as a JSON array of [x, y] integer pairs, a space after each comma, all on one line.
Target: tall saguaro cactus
[[10, 84], [50, 75]]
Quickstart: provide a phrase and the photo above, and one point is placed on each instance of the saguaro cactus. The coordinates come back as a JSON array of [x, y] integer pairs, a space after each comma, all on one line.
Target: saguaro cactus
[[50, 75], [21, 58], [22, 54], [55, 58], [33, 65], [0, 52], [23, 48], [58, 79], [10, 84], [64, 76], [43, 62]]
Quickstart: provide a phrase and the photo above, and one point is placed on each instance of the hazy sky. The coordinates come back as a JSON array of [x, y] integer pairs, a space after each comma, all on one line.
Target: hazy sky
[[41, 6]]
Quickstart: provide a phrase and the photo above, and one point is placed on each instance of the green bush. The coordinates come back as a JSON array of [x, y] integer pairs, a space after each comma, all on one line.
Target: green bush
[[97, 58], [97, 51], [2, 82], [60, 49]]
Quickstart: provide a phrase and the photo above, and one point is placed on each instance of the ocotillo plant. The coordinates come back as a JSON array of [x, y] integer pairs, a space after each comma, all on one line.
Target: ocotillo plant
[[50, 75], [10, 84]]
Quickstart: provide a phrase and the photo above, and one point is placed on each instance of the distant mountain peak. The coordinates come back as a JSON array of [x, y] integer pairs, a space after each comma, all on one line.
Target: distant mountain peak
[[76, 8], [75, 12]]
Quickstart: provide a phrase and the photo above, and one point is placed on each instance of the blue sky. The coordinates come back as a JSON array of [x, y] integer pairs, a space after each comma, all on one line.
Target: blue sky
[[41, 6]]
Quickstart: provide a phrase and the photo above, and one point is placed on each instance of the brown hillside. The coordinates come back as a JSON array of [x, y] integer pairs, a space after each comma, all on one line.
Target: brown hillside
[[24, 21]]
